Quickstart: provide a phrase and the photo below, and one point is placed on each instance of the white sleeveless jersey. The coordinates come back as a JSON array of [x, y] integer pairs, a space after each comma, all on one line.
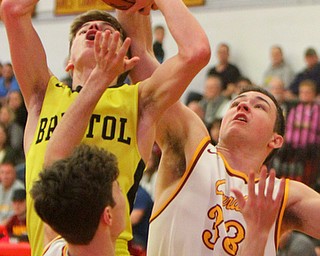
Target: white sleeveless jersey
[[57, 247], [202, 216]]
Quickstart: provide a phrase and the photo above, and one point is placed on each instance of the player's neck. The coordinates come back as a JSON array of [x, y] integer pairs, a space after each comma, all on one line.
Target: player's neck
[[239, 159], [100, 245]]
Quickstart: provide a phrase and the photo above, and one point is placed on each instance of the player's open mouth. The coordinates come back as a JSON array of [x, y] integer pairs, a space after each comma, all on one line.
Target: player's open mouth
[[91, 35], [241, 117]]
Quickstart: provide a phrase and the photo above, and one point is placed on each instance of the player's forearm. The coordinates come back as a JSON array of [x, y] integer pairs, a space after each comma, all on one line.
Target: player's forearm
[[193, 44], [254, 244], [27, 53], [138, 28]]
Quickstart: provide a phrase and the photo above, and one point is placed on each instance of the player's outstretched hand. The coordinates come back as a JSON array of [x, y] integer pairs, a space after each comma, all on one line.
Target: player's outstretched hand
[[260, 209], [143, 6], [111, 57]]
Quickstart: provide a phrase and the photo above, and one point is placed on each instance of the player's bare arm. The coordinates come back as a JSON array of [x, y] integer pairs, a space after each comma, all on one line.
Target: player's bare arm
[[302, 210], [25, 45], [178, 139], [138, 28], [170, 79]]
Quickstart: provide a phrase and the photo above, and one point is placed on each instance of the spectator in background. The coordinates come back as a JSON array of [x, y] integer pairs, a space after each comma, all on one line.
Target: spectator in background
[[8, 82], [300, 157], [16, 225], [16, 104], [8, 185], [228, 72], [150, 174], [312, 71], [7, 153], [214, 104], [303, 132], [158, 34], [1, 67], [214, 130], [294, 243], [278, 68], [234, 89], [193, 96], [139, 217], [196, 108], [14, 131], [277, 89]]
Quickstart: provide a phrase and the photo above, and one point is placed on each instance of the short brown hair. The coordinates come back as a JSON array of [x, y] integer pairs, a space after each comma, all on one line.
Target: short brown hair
[[101, 16], [91, 16], [72, 193]]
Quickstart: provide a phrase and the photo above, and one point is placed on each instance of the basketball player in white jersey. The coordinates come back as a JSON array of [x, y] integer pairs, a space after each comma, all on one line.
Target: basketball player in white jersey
[[195, 204], [196, 211]]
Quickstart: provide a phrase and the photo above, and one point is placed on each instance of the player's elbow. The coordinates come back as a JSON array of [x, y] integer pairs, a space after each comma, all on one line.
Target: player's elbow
[[199, 55], [12, 9]]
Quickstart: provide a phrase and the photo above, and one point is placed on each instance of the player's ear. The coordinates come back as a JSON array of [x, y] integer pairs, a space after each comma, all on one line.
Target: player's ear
[[106, 216], [276, 141], [69, 66]]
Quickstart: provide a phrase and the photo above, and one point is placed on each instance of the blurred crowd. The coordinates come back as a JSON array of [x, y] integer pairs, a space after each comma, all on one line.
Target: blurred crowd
[[299, 158]]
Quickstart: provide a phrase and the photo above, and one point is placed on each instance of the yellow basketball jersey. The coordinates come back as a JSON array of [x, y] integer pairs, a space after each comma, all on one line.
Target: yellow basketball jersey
[[113, 126]]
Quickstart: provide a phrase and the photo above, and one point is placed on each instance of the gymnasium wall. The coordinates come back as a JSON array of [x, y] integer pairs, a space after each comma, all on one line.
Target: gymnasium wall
[[250, 27]]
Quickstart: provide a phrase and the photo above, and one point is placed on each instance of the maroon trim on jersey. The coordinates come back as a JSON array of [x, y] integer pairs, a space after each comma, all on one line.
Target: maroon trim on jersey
[[182, 182]]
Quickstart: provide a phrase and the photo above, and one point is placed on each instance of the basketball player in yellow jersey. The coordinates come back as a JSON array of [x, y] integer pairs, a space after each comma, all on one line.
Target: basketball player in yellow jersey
[[124, 119], [251, 130]]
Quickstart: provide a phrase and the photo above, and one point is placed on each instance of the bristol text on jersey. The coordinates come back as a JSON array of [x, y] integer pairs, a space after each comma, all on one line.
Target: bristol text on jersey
[[112, 128]]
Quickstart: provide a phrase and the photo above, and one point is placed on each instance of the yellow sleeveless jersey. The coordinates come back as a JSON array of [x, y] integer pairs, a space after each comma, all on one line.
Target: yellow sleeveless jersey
[[113, 126]]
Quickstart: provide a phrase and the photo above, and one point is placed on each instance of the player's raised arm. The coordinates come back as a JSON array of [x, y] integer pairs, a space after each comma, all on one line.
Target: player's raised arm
[[138, 28], [27, 53], [171, 78]]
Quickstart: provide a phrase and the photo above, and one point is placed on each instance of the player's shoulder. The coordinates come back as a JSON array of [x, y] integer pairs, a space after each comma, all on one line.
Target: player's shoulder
[[55, 246]]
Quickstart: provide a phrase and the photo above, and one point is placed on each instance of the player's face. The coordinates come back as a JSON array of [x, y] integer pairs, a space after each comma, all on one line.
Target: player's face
[[251, 116], [83, 43], [118, 210]]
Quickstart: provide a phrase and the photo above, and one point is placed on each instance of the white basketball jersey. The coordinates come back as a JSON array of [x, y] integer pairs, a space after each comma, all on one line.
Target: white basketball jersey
[[57, 247], [202, 216]]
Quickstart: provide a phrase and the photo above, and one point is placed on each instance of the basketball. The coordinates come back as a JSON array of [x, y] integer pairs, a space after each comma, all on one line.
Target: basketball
[[120, 4]]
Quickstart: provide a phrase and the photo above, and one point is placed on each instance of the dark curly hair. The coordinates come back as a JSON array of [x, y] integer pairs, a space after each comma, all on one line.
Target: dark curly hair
[[72, 193]]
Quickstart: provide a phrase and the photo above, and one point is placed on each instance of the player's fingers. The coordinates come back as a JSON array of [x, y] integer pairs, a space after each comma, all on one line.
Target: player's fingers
[[270, 187], [130, 63], [105, 42], [97, 42], [262, 181], [251, 187], [136, 7], [114, 42], [124, 48], [240, 198]]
